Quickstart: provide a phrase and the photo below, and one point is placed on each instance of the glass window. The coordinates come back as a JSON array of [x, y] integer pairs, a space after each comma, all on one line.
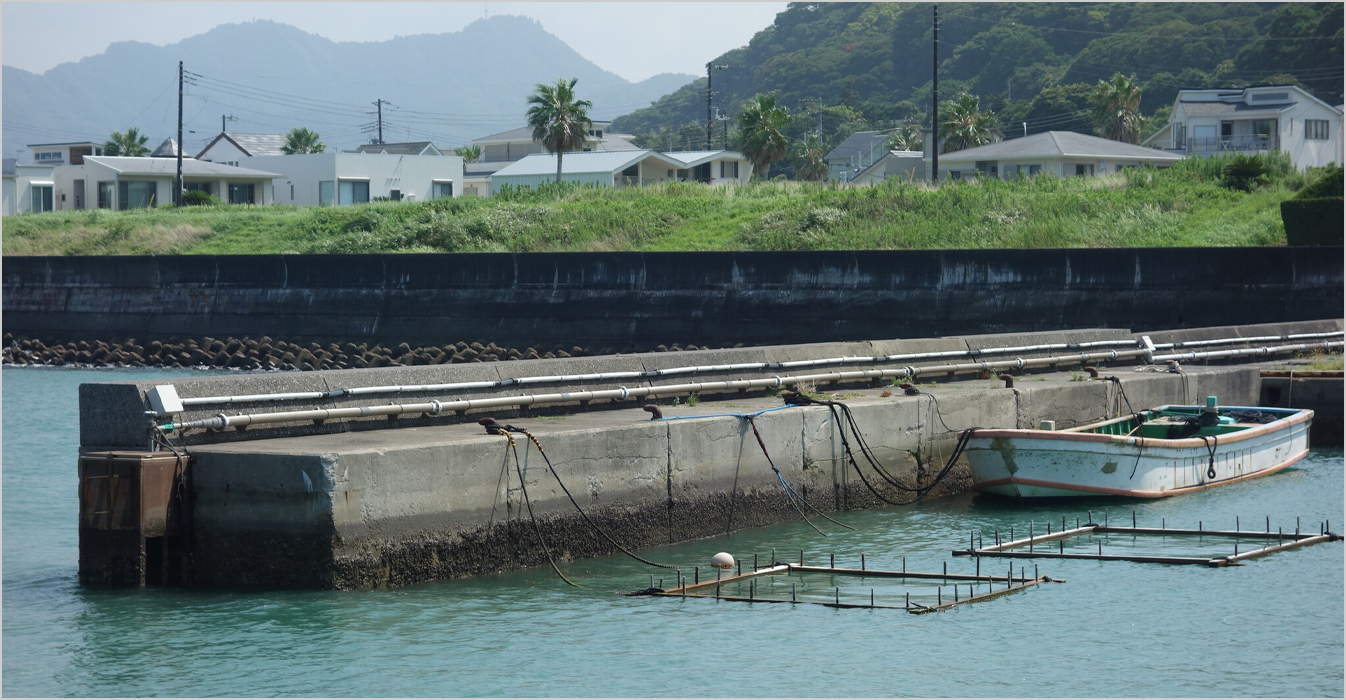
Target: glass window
[[1082, 169], [136, 194], [1264, 127], [197, 187], [241, 193], [105, 195], [1315, 128], [1034, 169], [326, 193], [441, 189], [353, 191], [42, 200], [395, 195]]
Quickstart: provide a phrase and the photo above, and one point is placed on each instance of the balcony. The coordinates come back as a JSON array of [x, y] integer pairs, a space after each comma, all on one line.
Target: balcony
[[1220, 144]]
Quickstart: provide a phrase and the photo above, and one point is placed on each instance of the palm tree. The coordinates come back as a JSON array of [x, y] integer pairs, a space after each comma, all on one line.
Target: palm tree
[[906, 138], [471, 153], [301, 140], [560, 122], [131, 144], [761, 135], [810, 163], [1117, 109], [964, 125]]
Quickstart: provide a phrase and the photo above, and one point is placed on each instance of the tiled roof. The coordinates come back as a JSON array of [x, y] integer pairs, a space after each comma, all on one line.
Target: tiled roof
[[1058, 144]]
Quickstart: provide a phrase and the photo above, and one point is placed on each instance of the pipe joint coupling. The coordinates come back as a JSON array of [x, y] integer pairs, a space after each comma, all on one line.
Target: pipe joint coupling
[[625, 392], [435, 407], [1019, 363]]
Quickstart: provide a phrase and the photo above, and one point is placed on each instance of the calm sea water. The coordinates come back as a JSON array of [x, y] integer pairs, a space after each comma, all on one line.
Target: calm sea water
[[1271, 628]]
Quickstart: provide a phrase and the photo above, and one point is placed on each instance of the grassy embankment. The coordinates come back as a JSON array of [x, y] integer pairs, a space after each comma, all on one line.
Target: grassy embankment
[[1188, 205]]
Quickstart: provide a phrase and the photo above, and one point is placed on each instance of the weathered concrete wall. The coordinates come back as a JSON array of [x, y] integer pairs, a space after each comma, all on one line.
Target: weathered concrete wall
[[1322, 394], [393, 507], [639, 300]]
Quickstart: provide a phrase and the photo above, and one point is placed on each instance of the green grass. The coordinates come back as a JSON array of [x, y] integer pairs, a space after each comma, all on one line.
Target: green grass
[[1187, 205]]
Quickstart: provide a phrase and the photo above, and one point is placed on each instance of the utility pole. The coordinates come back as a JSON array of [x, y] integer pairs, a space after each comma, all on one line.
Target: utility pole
[[225, 119], [710, 93], [724, 119], [934, 107], [177, 183], [378, 104]]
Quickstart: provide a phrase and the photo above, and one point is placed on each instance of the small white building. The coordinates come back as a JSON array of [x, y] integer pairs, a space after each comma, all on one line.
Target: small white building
[[119, 182], [26, 188], [859, 152], [1062, 153], [711, 167], [617, 169], [325, 179], [231, 147], [1253, 120], [67, 153], [892, 165], [499, 150]]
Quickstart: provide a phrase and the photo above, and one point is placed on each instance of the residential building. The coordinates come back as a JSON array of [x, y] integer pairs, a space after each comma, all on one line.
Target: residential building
[[499, 150], [71, 153], [710, 167], [858, 152], [167, 149], [1253, 120], [411, 148], [325, 179], [26, 188], [231, 147], [1062, 153], [118, 182], [899, 165], [617, 169]]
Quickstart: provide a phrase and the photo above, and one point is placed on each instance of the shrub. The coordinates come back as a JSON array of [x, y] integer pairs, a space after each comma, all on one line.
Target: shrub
[[1329, 185], [1243, 172], [197, 198]]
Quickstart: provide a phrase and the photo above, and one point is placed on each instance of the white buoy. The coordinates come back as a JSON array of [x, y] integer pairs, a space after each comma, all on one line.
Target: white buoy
[[723, 560]]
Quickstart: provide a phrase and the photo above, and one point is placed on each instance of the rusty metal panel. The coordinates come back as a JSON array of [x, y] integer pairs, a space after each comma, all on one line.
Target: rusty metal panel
[[125, 498]]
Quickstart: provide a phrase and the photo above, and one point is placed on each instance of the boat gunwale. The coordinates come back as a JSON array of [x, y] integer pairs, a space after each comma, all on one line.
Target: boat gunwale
[[1301, 416], [1135, 493]]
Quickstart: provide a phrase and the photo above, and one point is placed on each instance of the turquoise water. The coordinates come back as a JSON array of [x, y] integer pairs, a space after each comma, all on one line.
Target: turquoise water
[[1271, 628]]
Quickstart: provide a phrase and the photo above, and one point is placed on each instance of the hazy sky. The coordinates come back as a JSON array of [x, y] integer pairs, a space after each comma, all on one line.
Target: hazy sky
[[632, 39]]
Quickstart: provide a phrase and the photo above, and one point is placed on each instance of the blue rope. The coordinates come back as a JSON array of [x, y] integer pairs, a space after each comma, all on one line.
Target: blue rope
[[729, 415]]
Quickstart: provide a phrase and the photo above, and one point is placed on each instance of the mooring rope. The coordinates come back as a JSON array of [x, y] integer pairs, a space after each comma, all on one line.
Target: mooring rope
[[789, 491], [524, 488]]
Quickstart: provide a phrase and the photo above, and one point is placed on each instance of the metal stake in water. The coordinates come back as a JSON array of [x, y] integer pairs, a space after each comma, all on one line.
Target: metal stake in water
[[793, 597]]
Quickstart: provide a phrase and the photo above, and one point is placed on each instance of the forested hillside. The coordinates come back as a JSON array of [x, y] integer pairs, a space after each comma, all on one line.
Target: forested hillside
[[850, 66]]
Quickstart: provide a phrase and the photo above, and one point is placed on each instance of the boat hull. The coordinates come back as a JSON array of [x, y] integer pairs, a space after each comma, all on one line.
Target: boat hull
[[1054, 464]]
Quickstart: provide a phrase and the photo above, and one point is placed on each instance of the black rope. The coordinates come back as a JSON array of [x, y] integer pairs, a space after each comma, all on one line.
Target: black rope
[[573, 502], [1212, 442], [789, 492], [524, 488]]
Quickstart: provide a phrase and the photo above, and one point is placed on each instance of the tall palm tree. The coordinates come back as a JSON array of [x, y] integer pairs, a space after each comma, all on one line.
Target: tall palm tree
[[964, 125], [471, 153], [131, 144], [906, 138], [810, 163], [1117, 109], [761, 135], [301, 140], [560, 122]]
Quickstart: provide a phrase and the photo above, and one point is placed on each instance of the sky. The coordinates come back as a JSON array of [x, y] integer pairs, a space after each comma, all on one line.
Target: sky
[[620, 37]]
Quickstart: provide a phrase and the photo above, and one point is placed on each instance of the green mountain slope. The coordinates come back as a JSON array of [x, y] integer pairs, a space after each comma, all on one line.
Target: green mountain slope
[[869, 64]]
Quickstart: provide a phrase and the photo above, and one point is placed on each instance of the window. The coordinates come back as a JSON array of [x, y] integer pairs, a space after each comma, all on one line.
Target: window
[[136, 194], [326, 193], [987, 167], [1226, 129], [1082, 169], [1032, 169], [682, 174], [1315, 128], [633, 171], [1271, 97], [1264, 127], [241, 193], [702, 172], [670, 173], [48, 157], [105, 195], [197, 187], [41, 198], [729, 169], [441, 189], [395, 195], [956, 174], [353, 191]]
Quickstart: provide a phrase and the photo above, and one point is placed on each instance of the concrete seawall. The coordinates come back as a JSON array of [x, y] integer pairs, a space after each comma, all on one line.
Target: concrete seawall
[[373, 502], [639, 300]]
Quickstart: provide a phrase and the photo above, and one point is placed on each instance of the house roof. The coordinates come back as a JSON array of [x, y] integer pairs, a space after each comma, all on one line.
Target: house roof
[[859, 143], [1194, 107], [693, 158], [583, 162], [1239, 92], [64, 143], [1057, 144], [1164, 132], [409, 148], [167, 149], [169, 166], [253, 144], [525, 133]]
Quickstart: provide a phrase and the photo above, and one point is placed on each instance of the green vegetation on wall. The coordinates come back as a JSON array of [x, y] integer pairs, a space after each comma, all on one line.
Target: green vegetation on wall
[[1314, 216]]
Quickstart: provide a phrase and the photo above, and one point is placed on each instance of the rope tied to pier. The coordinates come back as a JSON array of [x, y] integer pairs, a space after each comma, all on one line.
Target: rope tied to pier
[[493, 428], [790, 493]]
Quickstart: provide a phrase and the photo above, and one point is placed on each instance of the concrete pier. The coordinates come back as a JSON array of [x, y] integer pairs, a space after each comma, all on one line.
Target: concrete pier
[[377, 502]]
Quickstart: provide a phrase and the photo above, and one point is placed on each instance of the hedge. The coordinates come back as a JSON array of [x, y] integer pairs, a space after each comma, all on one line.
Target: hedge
[[1313, 221]]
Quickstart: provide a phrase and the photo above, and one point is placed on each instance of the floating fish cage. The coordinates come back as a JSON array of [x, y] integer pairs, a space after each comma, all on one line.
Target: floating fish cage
[[1087, 540], [799, 584]]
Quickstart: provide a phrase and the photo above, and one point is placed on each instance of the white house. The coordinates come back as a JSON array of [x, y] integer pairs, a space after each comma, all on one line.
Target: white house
[[27, 188], [1062, 153], [710, 167], [118, 182], [858, 152], [899, 165], [324, 179], [1253, 120], [618, 169], [499, 150], [411, 148], [68, 153], [231, 147]]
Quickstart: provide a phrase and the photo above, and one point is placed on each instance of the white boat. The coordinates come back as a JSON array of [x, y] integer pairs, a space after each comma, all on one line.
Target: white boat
[[1172, 450]]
